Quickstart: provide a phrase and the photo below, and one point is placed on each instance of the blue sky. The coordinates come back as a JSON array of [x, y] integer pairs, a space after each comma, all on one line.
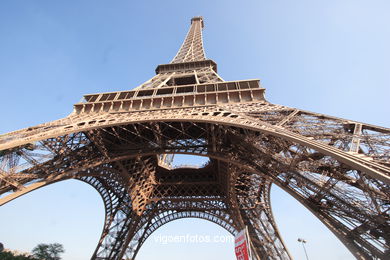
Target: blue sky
[[329, 56]]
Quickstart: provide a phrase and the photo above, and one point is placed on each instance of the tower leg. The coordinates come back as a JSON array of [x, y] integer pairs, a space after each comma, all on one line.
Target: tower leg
[[350, 203], [253, 197]]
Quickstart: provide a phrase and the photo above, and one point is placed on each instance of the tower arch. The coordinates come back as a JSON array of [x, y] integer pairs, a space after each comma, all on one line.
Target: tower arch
[[339, 169]]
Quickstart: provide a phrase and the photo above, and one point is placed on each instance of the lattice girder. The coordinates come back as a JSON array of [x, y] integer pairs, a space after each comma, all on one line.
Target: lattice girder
[[192, 48], [163, 212], [157, 213], [375, 166], [339, 169], [160, 212], [300, 170], [362, 227], [253, 198]]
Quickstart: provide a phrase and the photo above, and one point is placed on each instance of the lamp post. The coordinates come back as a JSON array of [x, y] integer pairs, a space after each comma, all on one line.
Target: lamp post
[[303, 241]]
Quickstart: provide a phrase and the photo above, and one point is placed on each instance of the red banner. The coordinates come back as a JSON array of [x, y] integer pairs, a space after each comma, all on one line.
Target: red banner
[[241, 246]]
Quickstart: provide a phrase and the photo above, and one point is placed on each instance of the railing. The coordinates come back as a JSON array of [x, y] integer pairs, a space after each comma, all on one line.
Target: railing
[[175, 96]]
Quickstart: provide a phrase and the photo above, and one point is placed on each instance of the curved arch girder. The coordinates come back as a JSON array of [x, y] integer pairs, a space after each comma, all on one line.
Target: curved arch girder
[[211, 114], [315, 177], [219, 217]]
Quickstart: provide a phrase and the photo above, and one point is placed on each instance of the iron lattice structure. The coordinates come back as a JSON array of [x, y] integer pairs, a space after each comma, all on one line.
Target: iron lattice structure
[[122, 143]]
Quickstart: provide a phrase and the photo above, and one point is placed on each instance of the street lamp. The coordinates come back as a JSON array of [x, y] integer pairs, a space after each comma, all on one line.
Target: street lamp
[[303, 241]]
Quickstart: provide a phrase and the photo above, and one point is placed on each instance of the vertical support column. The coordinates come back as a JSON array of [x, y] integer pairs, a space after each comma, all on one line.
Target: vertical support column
[[355, 143], [265, 238], [119, 217], [249, 199], [126, 211]]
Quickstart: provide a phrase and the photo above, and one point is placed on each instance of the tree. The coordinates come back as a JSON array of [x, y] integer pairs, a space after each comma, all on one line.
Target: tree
[[48, 251], [11, 256]]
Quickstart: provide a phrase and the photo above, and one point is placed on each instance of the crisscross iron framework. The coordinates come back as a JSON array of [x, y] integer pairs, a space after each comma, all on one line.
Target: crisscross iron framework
[[122, 144]]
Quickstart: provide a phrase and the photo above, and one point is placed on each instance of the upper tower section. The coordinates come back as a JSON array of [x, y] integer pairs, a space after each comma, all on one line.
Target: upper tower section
[[190, 80], [192, 47], [191, 54]]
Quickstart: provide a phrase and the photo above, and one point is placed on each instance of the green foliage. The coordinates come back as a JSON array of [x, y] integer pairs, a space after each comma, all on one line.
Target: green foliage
[[48, 251], [11, 256]]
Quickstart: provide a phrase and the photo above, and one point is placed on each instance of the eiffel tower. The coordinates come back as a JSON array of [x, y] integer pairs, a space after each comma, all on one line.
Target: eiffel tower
[[122, 144]]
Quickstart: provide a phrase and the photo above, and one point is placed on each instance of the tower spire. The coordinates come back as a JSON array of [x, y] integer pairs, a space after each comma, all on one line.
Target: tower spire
[[192, 47]]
